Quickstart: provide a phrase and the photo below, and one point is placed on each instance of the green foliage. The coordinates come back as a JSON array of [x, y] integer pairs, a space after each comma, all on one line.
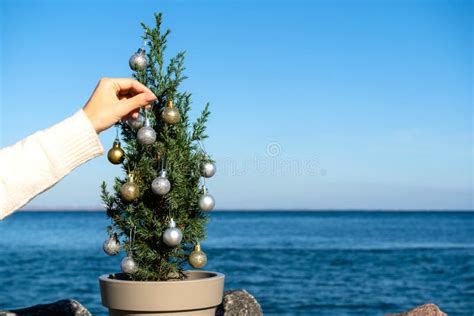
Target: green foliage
[[148, 216]]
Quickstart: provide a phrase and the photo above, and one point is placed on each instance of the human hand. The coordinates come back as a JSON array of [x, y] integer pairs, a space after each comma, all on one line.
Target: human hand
[[115, 98]]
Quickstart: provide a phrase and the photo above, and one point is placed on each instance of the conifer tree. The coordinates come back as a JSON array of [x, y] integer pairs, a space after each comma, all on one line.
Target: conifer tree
[[139, 224]]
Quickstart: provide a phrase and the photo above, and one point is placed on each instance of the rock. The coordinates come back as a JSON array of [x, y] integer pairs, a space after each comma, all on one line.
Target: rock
[[59, 308], [234, 303], [422, 310], [239, 303]]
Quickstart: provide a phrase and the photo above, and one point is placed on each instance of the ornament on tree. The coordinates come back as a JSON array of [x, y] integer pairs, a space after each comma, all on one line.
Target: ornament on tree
[[171, 114], [161, 185], [208, 169], [116, 155], [172, 236], [129, 190], [146, 135], [197, 259], [129, 265], [111, 246], [136, 123], [206, 201], [138, 61]]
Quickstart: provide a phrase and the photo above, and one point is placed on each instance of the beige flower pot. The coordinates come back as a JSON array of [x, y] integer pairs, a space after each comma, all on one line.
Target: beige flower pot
[[198, 295]]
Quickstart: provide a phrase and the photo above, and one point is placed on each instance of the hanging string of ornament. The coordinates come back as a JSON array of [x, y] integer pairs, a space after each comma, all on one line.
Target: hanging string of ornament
[[139, 61], [146, 135], [116, 155], [161, 185], [128, 264], [129, 191], [208, 169]]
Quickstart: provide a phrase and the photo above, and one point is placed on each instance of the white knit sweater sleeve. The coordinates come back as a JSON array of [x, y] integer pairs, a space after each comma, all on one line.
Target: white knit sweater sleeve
[[37, 162]]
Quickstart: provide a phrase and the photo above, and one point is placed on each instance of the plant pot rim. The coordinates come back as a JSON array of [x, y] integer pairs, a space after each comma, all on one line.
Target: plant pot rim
[[211, 276], [203, 290]]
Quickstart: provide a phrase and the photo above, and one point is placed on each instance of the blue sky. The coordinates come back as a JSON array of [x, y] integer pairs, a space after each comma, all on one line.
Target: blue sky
[[315, 104]]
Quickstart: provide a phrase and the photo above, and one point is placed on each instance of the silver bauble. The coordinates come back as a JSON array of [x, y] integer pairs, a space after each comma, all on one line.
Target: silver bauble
[[206, 202], [138, 61], [146, 135], [129, 265], [208, 169], [136, 123], [161, 185], [172, 235], [111, 246]]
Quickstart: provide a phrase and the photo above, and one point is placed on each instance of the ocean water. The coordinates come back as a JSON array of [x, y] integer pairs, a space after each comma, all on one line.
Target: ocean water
[[294, 263]]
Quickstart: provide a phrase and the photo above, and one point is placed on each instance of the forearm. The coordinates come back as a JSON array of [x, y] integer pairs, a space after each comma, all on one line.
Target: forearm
[[37, 162]]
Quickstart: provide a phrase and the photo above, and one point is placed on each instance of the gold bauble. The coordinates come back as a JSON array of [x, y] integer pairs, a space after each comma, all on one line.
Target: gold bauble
[[197, 259], [129, 190], [116, 154], [171, 114]]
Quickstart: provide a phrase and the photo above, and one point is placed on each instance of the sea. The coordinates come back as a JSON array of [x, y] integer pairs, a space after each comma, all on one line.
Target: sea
[[293, 262]]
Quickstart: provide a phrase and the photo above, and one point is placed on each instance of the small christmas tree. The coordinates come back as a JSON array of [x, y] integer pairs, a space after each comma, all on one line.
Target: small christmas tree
[[159, 209]]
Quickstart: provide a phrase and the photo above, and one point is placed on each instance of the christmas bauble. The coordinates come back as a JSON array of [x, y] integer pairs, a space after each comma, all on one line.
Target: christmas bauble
[[111, 246], [161, 185], [208, 169], [129, 191], [129, 265], [138, 61], [172, 235], [206, 202], [146, 135], [116, 155], [197, 259], [136, 123], [171, 114]]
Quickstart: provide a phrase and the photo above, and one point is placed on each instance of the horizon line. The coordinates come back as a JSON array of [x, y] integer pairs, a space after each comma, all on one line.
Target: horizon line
[[32, 210]]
